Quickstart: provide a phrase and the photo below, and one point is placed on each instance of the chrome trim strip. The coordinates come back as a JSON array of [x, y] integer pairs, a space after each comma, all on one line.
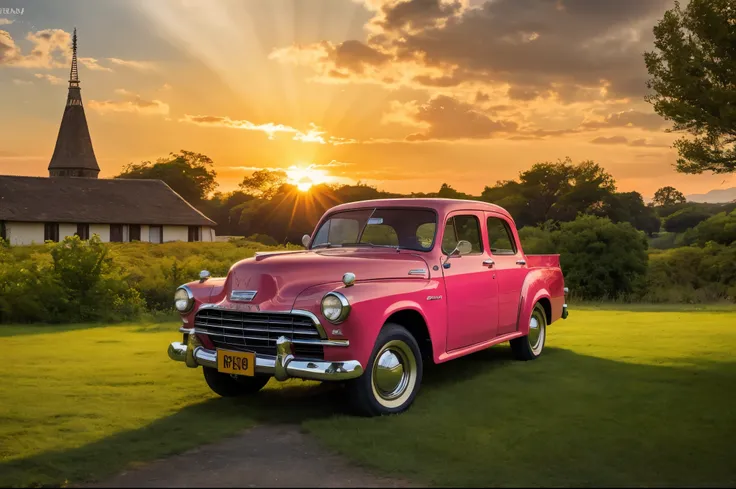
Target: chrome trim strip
[[314, 318], [283, 366], [306, 332], [298, 312], [186, 330], [295, 341], [243, 295], [418, 271]]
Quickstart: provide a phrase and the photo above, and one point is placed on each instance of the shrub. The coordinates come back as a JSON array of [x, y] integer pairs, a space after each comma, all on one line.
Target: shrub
[[720, 228], [601, 259], [692, 274], [684, 219]]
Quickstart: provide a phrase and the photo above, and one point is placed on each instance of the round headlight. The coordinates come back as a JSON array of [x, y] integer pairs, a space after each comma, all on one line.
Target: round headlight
[[183, 299], [335, 307]]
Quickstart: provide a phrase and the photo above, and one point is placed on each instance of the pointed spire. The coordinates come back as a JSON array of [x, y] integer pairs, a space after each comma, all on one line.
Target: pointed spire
[[74, 73], [73, 155]]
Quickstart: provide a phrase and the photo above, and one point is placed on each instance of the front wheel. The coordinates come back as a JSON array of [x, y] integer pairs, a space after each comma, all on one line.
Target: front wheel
[[392, 377], [227, 385], [530, 346]]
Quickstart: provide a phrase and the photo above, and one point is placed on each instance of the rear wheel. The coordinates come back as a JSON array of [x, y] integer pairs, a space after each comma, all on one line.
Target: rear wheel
[[227, 385], [392, 377], [530, 346]]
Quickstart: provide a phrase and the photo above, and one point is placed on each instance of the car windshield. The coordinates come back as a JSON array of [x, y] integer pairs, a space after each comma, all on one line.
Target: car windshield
[[412, 229]]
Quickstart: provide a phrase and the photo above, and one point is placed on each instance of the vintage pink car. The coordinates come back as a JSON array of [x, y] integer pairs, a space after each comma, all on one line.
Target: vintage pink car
[[382, 287]]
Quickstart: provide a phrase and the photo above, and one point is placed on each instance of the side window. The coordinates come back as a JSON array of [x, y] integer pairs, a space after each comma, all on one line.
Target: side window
[[462, 227], [500, 237]]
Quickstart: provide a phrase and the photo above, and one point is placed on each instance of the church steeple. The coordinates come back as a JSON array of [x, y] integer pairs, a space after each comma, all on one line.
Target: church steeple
[[73, 155]]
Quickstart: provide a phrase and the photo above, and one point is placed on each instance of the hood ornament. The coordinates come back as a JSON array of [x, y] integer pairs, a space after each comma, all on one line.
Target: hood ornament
[[348, 279]]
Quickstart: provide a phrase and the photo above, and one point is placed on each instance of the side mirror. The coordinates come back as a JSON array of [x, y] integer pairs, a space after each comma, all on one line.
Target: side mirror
[[305, 240], [462, 248]]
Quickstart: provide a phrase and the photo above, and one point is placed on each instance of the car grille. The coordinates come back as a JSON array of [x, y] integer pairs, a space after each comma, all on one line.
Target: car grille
[[258, 332]]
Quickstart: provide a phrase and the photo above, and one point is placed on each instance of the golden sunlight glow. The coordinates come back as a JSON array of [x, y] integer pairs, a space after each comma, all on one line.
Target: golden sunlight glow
[[304, 178]]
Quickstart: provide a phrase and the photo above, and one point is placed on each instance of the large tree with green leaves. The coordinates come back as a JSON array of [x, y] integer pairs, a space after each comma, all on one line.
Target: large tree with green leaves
[[668, 196], [190, 174], [693, 76]]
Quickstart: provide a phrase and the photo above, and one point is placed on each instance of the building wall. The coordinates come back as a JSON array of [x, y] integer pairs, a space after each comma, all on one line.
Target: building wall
[[176, 233], [103, 230], [66, 230], [24, 233]]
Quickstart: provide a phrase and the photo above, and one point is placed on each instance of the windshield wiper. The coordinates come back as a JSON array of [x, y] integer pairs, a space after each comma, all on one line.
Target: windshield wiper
[[324, 245], [372, 245]]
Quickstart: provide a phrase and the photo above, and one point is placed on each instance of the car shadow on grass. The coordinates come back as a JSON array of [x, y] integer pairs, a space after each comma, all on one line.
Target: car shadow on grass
[[566, 382]]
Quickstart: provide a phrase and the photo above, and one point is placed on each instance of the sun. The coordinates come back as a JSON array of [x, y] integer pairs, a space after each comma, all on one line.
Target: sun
[[304, 178]]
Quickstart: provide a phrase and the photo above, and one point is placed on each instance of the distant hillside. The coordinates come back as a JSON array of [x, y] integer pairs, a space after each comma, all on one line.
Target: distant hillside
[[714, 196]]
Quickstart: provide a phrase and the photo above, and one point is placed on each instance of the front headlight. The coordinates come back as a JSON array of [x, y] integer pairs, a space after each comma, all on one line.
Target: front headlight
[[183, 299], [335, 307]]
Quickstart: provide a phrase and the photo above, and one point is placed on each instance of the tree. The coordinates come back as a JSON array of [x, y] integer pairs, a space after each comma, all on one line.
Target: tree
[[668, 196], [601, 259], [630, 207], [263, 184], [189, 174], [693, 69]]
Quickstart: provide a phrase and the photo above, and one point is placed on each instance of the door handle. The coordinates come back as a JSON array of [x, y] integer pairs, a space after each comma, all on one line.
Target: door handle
[[489, 262], [521, 262]]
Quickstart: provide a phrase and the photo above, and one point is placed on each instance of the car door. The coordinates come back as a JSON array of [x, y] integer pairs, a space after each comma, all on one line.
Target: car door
[[510, 269], [470, 290]]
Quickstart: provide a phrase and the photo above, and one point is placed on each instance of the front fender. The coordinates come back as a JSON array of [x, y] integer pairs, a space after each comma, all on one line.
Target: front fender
[[372, 304]]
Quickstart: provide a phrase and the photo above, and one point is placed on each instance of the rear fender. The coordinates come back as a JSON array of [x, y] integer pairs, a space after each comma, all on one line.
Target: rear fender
[[544, 284]]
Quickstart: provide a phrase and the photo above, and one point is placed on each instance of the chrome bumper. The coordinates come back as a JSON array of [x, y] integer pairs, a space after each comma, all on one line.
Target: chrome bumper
[[283, 366]]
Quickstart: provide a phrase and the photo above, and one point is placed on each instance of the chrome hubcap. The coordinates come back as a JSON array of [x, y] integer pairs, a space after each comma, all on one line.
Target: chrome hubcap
[[394, 373], [536, 332]]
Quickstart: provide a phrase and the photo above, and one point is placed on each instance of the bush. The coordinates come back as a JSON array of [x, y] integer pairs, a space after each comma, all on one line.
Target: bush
[[263, 239], [720, 228], [684, 219], [69, 281], [692, 274], [601, 259]]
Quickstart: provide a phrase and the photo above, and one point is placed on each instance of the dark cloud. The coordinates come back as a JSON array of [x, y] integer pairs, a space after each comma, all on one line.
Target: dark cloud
[[416, 14], [450, 119], [536, 43], [610, 140], [629, 118], [355, 55]]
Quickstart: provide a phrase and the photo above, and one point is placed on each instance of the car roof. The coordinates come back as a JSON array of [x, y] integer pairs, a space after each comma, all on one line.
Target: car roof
[[441, 205]]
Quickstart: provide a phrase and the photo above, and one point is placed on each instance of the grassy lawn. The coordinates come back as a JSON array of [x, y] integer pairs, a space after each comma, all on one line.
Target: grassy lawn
[[619, 398]]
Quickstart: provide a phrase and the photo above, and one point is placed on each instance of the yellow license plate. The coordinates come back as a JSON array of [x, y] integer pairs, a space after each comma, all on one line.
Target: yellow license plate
[[236, 362]]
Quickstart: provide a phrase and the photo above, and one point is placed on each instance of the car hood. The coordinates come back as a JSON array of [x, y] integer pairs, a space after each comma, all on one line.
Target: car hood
[[278, 278]]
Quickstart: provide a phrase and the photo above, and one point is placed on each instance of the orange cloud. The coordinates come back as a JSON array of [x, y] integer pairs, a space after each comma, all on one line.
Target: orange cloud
[[131, 103], [312, 135], [54, 80], [136, 65], [50, 49]]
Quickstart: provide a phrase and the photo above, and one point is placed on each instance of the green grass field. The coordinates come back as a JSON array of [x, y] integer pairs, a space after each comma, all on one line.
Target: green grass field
[[618, 398]]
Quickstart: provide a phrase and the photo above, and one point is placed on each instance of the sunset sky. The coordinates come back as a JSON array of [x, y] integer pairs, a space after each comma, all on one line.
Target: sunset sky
[[404, 95]]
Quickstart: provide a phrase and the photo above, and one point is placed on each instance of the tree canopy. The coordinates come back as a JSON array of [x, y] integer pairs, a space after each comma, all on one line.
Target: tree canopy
[[668, 196], [188, 173], [693, 75]]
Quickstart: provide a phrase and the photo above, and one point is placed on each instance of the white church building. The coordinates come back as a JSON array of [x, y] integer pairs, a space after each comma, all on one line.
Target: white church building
[[72, 200]]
